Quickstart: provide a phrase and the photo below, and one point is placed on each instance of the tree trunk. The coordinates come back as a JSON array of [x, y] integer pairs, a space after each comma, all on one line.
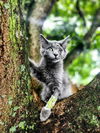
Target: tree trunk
[[79, 113], [14, 78]]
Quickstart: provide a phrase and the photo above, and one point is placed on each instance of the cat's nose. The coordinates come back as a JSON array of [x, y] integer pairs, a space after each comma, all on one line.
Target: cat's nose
[[55, 54]]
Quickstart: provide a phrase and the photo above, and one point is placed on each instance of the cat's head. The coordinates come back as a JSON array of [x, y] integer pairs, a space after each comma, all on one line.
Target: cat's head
[[53, 51]]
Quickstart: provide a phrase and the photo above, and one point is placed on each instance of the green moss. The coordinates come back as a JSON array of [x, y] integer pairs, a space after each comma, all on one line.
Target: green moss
[[22, 115]]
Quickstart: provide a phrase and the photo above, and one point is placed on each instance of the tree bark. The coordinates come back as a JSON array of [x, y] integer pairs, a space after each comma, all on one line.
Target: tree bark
[[14, 77], [78, 113]]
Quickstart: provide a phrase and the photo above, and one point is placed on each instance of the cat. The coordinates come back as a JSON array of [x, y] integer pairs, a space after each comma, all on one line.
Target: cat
[[50, 69]]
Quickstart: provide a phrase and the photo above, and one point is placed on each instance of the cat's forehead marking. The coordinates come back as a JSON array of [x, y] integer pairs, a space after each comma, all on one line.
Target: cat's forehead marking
[[55, 44]]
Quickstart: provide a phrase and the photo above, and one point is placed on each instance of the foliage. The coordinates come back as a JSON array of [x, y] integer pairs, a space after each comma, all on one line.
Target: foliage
[[83, 69], [65, 20]]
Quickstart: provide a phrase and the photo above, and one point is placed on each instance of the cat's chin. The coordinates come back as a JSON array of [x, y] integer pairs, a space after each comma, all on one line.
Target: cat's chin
[[55, 61]]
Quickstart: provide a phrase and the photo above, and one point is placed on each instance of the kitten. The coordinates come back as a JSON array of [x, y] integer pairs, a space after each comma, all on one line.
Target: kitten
[[50, 69]]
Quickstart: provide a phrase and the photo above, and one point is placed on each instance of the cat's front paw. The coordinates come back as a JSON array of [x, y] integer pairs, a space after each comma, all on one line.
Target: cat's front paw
[[33, 66], [45, 113]]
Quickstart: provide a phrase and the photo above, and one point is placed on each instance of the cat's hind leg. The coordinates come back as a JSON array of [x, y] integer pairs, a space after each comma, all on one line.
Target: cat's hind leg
[[66, 88], [65, 93]]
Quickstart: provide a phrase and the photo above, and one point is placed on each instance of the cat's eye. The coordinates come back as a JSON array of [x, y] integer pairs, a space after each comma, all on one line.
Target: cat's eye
[[51, 49]]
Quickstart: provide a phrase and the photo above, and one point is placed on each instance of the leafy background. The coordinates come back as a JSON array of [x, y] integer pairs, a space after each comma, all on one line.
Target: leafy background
[[64, 20]]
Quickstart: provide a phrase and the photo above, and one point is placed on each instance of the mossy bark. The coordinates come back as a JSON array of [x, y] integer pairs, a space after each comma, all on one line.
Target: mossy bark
[[14, 77]]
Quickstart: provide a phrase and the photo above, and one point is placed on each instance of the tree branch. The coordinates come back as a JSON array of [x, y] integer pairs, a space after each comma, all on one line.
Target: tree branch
[[73, 54], [87, 39], [76, 113], [94, 25], [80, 12]]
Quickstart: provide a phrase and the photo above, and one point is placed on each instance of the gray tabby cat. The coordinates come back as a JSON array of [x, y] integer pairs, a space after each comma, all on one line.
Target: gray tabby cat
[[50, 69]]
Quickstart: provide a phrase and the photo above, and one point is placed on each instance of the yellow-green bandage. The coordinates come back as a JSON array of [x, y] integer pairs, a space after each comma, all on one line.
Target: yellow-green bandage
[[51, 102]]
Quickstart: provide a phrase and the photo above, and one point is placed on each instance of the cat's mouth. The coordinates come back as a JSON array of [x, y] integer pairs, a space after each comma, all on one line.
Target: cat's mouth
[[55, 60]]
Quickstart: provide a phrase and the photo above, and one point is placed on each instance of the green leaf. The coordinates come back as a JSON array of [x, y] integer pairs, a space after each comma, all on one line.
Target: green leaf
[[15, 108], [6, 5], [22, 124], [13, 129]]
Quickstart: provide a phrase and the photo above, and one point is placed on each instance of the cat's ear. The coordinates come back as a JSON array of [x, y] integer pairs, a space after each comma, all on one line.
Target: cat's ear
[[65, 41], [43, 41]]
